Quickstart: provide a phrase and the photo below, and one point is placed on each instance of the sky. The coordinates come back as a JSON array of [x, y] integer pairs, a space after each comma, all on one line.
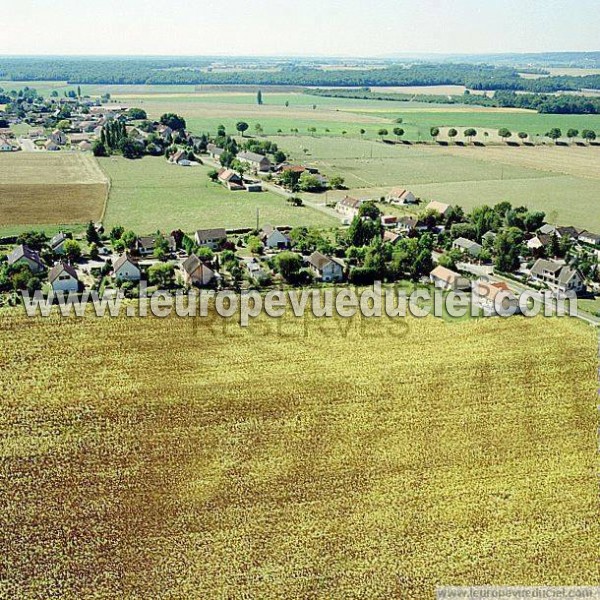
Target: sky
[[297, 27]]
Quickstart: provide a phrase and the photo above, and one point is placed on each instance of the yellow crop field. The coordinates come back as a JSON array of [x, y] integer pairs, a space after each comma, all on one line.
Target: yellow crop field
[[185, 458], [50, 188]]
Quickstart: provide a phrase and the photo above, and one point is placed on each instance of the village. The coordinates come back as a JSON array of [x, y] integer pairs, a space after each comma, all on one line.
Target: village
[[437, 244]]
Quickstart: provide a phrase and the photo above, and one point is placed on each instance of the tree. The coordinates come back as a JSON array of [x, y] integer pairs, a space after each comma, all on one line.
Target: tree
[[362, 132], [434, 132], [72, 250], [382, 132], [162, 275], [369, 210], [554, 134], [398, 132], [523, 135], [255, 245], [452, 133], [470, 133], [131, 149], [572, 133], [504, 133], [91, 235], [258, 128], [175, 122], [241, 126], [259, 98], [309, 182], [588, 135], [137, 114], [213, 174], [312, 129], [287, 103], [288, 264], [99, 149], [290, 179], [336, 182], [507, 248], [63, 125]]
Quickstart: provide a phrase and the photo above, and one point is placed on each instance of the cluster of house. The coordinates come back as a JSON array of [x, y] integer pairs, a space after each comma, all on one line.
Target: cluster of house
[[349, 207], [546, 233], [86, 120], [255, 161]]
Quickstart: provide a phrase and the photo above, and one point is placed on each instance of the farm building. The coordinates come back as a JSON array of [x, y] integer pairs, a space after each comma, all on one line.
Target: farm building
[[214, 151], [230, 179], [256, 161]]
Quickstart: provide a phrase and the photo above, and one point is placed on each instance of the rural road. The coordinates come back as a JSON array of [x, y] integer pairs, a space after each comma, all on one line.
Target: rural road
[[282, 192]]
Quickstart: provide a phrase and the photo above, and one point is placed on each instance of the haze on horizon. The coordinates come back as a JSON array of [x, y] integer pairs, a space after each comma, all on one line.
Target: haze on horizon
[[307, 28]]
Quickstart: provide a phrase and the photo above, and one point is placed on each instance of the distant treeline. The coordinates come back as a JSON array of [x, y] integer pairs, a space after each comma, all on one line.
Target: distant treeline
[[542, 103], [194, 71]]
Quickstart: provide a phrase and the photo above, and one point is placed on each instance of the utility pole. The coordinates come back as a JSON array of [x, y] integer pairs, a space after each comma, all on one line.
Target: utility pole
[[257, 218]]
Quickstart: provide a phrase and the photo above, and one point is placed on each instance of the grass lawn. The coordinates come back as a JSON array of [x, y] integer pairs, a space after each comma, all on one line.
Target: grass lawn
[[151, 194], [290, 460]]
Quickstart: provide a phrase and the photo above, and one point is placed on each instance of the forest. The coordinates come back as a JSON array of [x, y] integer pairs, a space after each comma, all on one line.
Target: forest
[[198, 71]]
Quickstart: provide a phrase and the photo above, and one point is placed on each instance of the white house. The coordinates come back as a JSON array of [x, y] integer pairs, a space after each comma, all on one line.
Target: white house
[[273, 238], [468, 246], [195, 272], [63, 277], [447, 279], [57, 243], [24, 255], [126, 269], [557, 276], [494, 295], [5, 146], [211, 238], [348, 206], [326, 268], [401, 196]]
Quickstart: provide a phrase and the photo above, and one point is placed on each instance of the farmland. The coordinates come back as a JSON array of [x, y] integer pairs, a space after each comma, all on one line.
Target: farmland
[[190, 466], [49, 189], [151, 194], [561, 181]]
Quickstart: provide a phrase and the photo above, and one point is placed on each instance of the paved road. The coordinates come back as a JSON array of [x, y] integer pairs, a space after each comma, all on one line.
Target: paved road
[[27, 145]]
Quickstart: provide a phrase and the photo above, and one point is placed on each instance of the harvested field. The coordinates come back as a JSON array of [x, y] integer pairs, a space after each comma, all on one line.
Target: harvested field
[[50, 188]]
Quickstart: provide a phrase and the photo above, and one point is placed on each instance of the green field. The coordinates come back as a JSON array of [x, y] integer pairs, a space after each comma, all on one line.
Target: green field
[[151, 194], [205, 110], [563, 182]]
